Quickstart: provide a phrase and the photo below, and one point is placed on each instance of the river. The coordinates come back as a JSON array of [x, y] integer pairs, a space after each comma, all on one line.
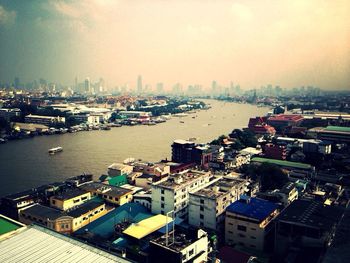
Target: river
[[26, 163]]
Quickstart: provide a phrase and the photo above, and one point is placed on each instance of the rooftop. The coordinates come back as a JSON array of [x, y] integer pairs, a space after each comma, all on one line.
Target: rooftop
[[70, 194], [118, 166], [8, 225], [114, 191], [219, 188], [43, 211], [256, 208], [337, 128], [311, 213], [38, 244], [286, 117], [180, 141], [181, 180], [147, 226], [282, 163]]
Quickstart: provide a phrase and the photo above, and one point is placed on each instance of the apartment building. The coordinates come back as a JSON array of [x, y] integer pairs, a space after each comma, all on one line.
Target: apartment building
[[172, 193], [207, 206], [247, 222]]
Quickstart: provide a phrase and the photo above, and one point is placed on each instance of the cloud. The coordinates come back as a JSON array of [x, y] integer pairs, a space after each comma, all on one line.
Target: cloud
[[7, 17]]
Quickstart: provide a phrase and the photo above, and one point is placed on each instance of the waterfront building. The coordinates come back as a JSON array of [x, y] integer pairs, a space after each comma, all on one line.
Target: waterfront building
[[207, 206], [144, 198], [305, 227], [117, 169], [281, 121], [8, 114], [248, 222], [182, 151], [111, 194], [87, 118], [69, 199], [180, 247], [42, 244], [63, 221], [45, 120], [172, 193]]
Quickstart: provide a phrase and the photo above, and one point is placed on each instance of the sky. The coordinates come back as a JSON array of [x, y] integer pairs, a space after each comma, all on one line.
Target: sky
[[252, 43]]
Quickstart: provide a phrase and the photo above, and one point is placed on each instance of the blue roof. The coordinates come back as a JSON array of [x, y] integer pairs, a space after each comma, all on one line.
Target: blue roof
[[104, 226], [256, 208]]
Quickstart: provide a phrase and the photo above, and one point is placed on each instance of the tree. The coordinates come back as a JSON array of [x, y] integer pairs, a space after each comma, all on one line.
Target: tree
[[270, 176]]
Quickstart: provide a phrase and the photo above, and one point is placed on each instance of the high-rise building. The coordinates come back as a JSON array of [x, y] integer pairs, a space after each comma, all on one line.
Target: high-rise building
[[139, 84], [17, 83], [87, 85], [160, 87]]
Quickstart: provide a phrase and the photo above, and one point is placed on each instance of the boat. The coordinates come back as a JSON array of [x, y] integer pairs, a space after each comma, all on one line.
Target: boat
[[55, 150]]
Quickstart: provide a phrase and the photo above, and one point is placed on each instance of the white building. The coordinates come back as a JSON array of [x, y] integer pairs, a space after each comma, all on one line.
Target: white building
[[172, 193], [207, 206], [45, 120], [180, 248]]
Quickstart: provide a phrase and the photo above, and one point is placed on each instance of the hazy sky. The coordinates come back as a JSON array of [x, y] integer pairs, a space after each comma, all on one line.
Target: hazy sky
[[253, 43]]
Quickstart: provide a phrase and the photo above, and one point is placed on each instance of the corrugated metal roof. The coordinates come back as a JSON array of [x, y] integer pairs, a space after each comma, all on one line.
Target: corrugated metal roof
[[38, 244], [147, 226], [282, 163]]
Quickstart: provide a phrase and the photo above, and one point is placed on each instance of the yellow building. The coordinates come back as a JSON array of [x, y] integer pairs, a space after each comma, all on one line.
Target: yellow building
[[63, 221], [112, 194], [69, 199]]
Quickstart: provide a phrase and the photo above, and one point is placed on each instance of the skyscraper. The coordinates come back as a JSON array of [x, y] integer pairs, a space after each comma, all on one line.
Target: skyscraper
[[87, 85], [139, 84]]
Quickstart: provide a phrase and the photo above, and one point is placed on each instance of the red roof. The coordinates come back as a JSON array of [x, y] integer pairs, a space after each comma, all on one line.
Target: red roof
[[229, 255], [286, 117]]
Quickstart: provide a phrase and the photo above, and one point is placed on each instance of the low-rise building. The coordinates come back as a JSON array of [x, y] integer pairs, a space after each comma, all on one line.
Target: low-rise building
[[305, 225], [112, 194], [63, 221], [180, 248], [42, 244], [248, 222], [117, 169], [45, 120], [8, 114], [69, 199], [207, 206], [172, 193], [335, 134], [275, 151]]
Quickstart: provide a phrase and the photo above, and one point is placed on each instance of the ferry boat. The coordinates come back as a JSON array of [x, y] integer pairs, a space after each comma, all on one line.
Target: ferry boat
[[55, 150]]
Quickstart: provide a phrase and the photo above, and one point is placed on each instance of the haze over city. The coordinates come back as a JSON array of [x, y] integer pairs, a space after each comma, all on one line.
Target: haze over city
[[252, 43]]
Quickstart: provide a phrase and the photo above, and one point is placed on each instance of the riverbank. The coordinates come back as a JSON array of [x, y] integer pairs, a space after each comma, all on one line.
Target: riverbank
[[26, 163]]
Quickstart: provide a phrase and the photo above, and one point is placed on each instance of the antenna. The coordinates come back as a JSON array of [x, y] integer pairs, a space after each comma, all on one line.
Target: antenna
[[167, 228]]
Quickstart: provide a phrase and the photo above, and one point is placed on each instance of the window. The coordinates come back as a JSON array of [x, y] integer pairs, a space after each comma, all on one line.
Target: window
[[162, 205], [242, 228], [53, 202], [190, 253], [252, 237], [162, 198], [253, 228], [241, 235], [162, 191], [202, 208], [116, 199], [201, 216], [202, 201]]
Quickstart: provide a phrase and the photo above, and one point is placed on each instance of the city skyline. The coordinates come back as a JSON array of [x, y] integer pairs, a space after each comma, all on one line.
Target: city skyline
[[291, 44]]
